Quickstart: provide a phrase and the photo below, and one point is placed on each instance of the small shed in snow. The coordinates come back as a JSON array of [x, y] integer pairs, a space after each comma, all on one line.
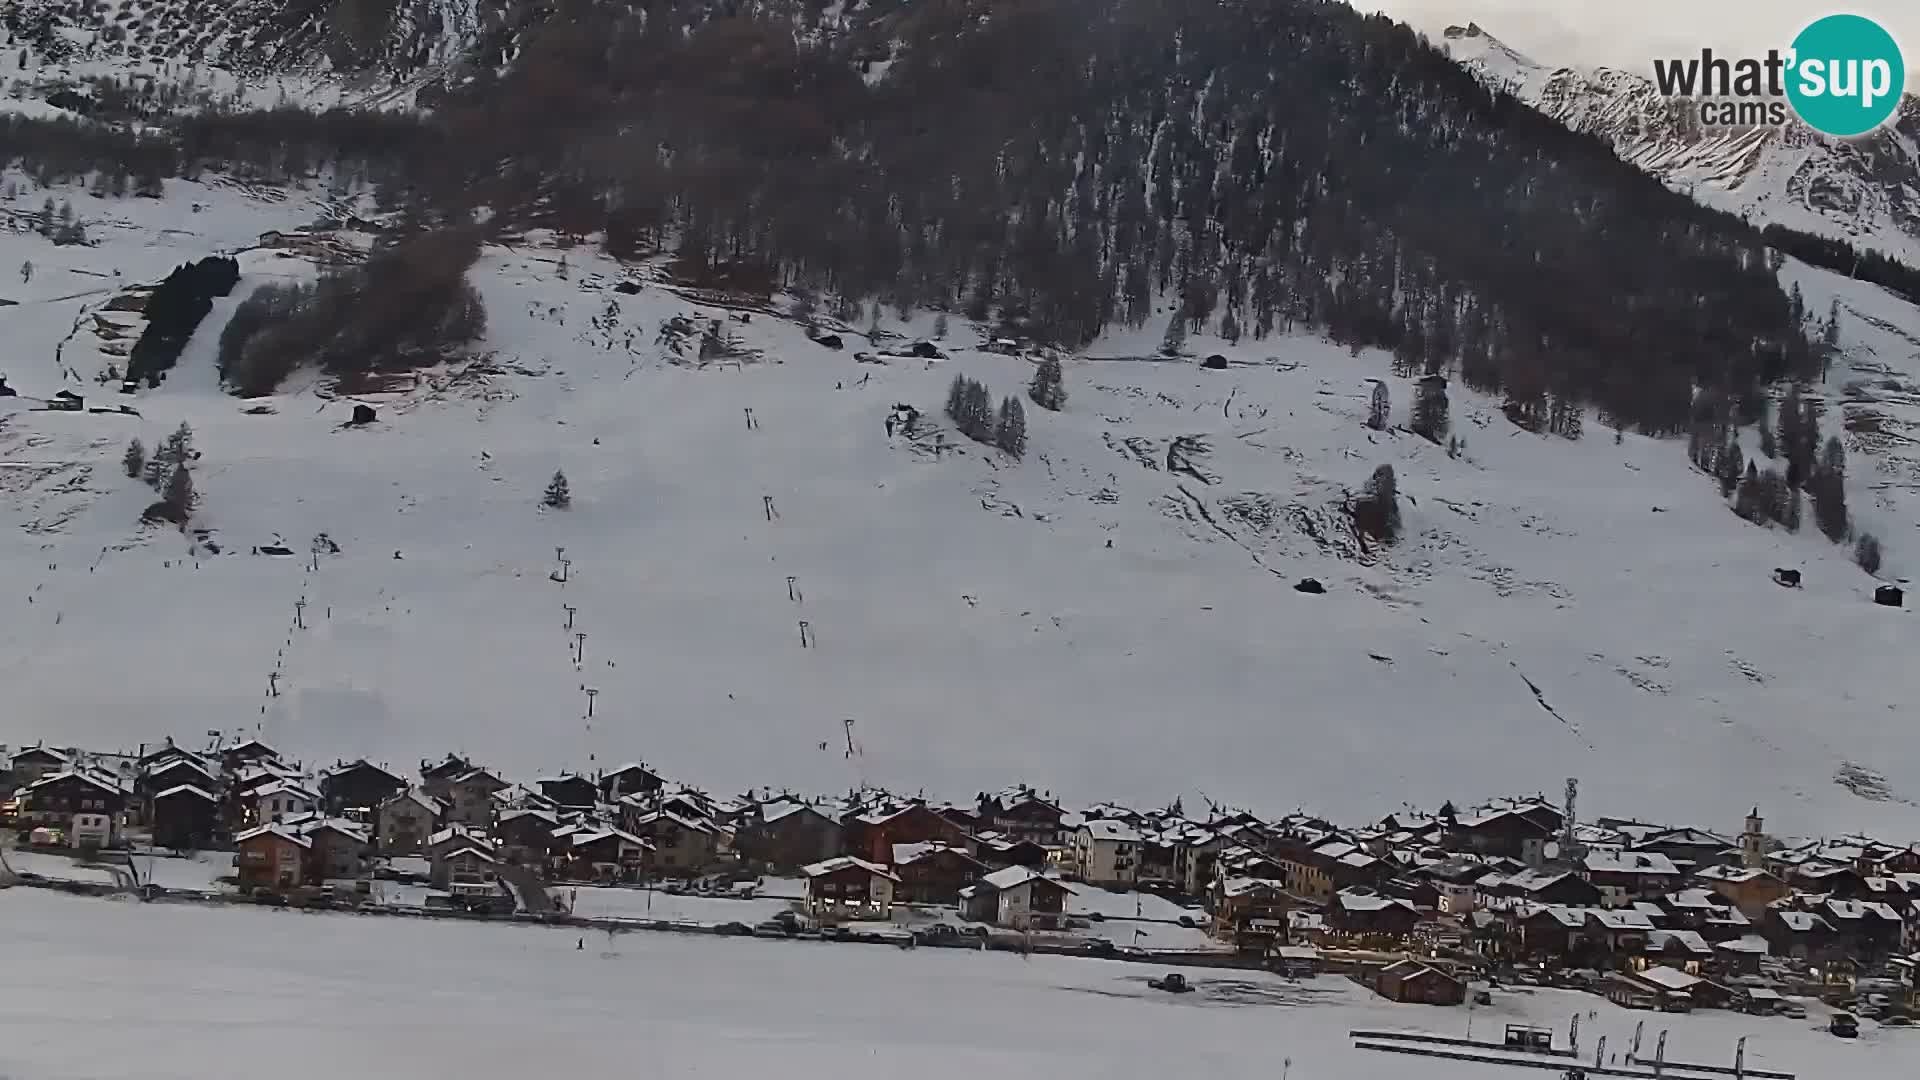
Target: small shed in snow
[[1889, 596]]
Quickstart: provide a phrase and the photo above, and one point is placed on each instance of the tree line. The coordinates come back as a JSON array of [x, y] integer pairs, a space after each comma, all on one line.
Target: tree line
[[174, 311]]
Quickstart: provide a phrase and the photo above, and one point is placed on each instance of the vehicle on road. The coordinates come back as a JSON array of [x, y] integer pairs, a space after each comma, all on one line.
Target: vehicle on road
[[1173, 983]]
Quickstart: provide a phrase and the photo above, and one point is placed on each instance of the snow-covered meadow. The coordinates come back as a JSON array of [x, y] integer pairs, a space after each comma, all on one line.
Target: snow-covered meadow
[[101, 990], [1556, 608]]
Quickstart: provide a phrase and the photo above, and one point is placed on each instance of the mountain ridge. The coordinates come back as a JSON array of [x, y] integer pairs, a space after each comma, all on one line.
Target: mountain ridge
[[1866, 191]]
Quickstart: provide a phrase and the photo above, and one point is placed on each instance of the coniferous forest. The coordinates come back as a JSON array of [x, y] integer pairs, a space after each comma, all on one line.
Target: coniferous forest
[[1059, 167]]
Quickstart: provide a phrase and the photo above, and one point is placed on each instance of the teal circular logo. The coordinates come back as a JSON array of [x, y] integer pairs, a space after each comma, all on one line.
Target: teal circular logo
[[1847, 75]]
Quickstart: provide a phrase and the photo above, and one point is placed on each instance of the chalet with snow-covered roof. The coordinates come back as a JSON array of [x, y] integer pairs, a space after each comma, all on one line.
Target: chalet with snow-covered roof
[[933, 873], [1251, 912], [1553, 887], [629, 779], [1018, 898], [185, 817], [463, 865], [1625, 876], [437, 776], [30, 764], [604, 853], [1868, 930], [1801, 935], [997, 851], [278, 800], [246, 752], [1685, 950], [174, 770], [454, 837], [337, 847], [271, 857], [1024, 814], [468, 796], [683, 845], [1106, 851], [1518, 831], [1413, 982], [525, 835], [56, 798], [570, 791], [1689, 849], [1358, 915], [787, 834], [358, 789], [406, 819], [1749, 889], [849, 888], [871, 831]]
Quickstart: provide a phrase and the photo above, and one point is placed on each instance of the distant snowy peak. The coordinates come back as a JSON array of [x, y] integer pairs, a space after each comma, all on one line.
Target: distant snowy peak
[[1866, 192]]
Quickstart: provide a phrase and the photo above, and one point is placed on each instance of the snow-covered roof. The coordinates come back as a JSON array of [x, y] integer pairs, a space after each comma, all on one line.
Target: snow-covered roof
[[552, 819], [472, 853], [88, 776], [421, 799], [187, 789], [1688, 940], [281, 831], [1860, 909], [1241, 886], [1695, 899], [1731, 874], [1630, 862], [584, 837], [283, 787], [461, 832], [829, 866], [1670, 978], [1751, 944], [1013, 877], [1801, 922], [1107, 830], [1620, 918], [1356, 901]]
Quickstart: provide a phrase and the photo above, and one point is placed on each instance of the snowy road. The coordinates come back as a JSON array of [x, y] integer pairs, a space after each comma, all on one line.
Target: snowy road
[[115, 989]]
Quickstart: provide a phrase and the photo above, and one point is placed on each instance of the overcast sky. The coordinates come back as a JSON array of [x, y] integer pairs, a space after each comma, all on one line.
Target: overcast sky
[[1630, 33]]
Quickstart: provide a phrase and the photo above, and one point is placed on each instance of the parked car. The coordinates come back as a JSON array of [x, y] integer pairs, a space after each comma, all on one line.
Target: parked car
[[1792, 1011], [734, 929], [1843, 1025], [775, 928]]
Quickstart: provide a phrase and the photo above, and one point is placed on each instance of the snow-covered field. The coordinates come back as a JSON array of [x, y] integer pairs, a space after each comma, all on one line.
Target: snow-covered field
[[600, 902], [197, 993], [1556, 609]]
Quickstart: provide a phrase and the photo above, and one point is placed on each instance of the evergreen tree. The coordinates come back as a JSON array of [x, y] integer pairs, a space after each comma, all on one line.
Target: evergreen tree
[[1010, 428], [1866, 553], [956, 397], [154, 475], [940, 326], [1376, 513], [976, 416], [1378, 407], [179, 496], [1230, 328], [1828, 489], [1430, 419], [1769, 444], [1750, 501], [558, 496], [1048, 390], [1732, 466], [1176, 340], [177, 450], [134, 460]]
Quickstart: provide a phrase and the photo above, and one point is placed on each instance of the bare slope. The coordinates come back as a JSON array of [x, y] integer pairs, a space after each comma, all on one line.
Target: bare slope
[[1557, 608]]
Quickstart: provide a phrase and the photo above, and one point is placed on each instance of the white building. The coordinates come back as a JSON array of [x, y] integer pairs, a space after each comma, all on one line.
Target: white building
[[1107, 852]]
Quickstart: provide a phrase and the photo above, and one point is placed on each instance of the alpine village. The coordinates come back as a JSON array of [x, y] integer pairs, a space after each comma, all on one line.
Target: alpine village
[[1415, 905]]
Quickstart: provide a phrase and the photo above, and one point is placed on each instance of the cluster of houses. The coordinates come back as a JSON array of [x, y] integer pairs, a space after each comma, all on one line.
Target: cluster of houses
[[1652, 915]]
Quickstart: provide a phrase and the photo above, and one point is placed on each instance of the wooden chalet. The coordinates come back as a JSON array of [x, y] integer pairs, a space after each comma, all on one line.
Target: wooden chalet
[[933, 873], [849, 888], [357, 790], [185, 817], [1411, 981]]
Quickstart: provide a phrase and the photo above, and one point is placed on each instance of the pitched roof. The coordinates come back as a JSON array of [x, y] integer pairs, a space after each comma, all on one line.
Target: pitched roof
[[908, 854], [1110, 830], [186, 789], [421, 799], [85, 775], [483, 856], [1630, 862], [1015, 876], [1670, 978], [281, 831], [829, 866], [282, 787]]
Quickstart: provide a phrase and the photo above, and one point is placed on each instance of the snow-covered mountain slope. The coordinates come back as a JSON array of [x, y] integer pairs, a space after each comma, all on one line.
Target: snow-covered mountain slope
[[1556, 608], [1864, 191], [141, 57]]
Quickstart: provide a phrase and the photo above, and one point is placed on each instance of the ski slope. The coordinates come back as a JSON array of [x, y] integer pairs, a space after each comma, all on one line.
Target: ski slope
[[1555, 609], [206, 993]]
